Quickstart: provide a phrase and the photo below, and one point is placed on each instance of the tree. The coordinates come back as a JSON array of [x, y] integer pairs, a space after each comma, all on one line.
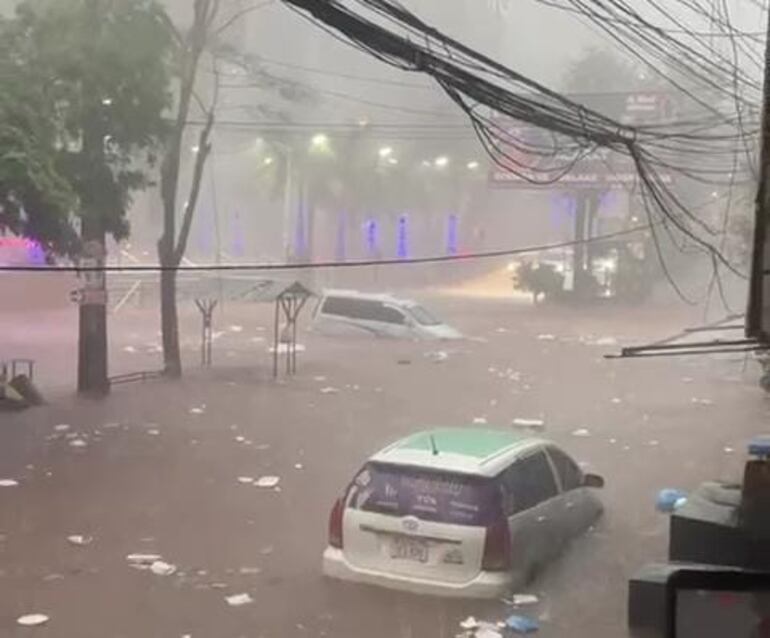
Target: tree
[[100, 71], [100, 67], [201, 43]]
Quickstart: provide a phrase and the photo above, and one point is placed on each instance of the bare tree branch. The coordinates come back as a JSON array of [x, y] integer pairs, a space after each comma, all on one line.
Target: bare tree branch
[[239, 14], [204, 149]]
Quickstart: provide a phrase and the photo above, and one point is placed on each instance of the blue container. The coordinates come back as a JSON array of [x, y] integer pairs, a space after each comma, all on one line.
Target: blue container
[[669, 500], [522, 625]]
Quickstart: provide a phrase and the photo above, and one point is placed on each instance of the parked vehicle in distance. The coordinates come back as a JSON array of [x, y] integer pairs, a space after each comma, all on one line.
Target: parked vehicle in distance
[[459, 512], [346, 312]]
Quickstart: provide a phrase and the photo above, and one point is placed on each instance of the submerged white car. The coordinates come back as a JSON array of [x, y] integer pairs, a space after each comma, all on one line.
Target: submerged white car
[[348, 312], [459, 512]]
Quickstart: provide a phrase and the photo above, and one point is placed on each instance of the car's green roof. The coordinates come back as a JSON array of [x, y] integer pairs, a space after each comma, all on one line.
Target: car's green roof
[[473, 442]]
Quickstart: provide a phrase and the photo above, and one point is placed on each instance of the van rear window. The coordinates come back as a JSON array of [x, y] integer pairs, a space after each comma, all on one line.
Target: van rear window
[[431, 496]]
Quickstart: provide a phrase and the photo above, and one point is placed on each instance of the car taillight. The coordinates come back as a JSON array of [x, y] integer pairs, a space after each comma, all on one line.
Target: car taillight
[[497, 547], [335, 524]]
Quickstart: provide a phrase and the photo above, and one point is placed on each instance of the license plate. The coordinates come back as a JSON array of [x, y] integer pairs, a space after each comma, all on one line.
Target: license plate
[[405, 548]]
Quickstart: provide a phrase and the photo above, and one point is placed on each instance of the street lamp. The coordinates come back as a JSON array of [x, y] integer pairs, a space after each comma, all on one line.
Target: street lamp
[[385, 152], [319, 142], [268, 161], [472, 165], [442, 161]]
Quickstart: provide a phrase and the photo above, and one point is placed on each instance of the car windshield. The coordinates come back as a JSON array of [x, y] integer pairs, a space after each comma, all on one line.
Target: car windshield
[[426, 494], [423, 317], [248, 246]]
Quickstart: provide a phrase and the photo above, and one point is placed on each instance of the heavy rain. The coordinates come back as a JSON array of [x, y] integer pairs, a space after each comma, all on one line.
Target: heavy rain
[[420, 319]]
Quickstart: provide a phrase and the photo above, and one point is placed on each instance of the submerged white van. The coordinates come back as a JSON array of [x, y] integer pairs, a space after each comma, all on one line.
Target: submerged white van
[[348, 312]]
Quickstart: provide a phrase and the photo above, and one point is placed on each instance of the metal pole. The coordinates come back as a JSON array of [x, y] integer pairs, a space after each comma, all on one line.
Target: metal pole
[[754, 323], [275, 340], [287, 205], [295, 312]]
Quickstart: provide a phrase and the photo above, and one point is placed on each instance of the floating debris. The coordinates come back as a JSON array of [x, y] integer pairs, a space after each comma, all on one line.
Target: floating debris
[[62, 427], [616, 400], [245, 480], [438, 357], [469, 623], [330, 390], [8, 483], [78, 443], [581, 432], [129, 349], [162, 568], [32, 620], [80, 540], [522, 600], [267, 481], [546, 337], [237, 600], [480, 420], [197, 410], [250, 571], [236, 328], [142, 561], [522, 624]]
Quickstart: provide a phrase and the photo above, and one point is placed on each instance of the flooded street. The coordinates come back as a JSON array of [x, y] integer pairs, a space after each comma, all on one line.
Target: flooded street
[[159, 465]]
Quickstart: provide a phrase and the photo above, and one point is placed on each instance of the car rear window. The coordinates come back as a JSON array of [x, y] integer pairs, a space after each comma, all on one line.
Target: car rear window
[[429, 495]]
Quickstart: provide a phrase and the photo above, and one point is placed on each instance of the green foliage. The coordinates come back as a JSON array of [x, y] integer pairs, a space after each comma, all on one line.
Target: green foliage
[[539, 279], [85, 87]]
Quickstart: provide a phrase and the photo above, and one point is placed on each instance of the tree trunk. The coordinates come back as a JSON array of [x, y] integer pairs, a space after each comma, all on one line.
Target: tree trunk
[[172, 361]]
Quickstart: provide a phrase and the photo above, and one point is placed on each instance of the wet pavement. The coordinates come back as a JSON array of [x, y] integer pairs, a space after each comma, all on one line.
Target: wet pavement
[[159, 472]]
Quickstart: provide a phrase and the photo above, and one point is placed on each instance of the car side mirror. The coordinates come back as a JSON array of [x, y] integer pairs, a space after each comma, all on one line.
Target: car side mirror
[[593, 480]]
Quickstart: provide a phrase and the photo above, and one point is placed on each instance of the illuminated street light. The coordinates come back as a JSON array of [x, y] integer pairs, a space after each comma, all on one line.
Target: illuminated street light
[[385, 151], [195, 148], [472, 166], [319, 142], [442, 161], [268, 161]]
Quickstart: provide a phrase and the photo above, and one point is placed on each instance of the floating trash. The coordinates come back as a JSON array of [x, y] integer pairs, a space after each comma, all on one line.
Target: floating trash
[[237, 600], [32, 620], [479, 420], [581, 433], [62, 427], [245, 479], [78, 443], [8, 483], [522, 624], [469, 623], [80, 540], [162, 568], [267, 481], [522, 600], [329, 390], [669, 500], [546, 337]]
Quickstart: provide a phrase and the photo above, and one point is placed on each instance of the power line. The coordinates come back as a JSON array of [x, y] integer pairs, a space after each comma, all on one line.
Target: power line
[[336, 264]]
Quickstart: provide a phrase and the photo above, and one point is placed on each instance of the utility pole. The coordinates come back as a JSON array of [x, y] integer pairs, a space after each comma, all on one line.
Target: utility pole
[[758, 312]]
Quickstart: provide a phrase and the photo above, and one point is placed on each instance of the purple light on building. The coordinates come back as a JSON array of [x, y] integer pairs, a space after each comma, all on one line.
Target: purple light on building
[[402, 237]]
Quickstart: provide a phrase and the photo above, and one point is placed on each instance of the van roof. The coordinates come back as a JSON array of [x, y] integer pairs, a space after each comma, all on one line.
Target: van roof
[[374, 296], [470, 450]]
